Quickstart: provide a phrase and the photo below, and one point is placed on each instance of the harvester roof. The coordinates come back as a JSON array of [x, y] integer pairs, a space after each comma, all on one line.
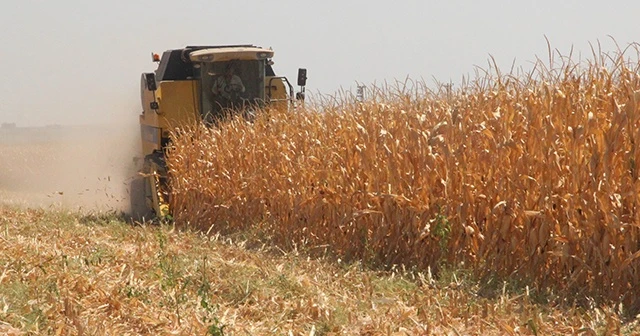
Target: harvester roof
[[230, 53]]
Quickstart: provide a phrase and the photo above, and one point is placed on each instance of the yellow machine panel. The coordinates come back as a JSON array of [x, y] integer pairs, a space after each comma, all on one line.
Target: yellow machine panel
[[178, 104], [276, 92]]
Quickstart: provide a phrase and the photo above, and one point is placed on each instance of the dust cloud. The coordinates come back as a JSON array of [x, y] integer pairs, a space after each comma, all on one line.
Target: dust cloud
[[79, 168]]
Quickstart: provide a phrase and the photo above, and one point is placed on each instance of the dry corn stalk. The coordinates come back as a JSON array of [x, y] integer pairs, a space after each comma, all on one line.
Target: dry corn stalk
[[533, 176]]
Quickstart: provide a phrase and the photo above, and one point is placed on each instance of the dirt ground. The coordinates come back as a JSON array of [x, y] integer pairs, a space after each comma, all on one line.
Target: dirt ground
[[85, 168]]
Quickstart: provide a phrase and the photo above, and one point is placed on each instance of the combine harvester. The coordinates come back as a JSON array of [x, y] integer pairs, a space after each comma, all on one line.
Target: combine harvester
[[200, 84]]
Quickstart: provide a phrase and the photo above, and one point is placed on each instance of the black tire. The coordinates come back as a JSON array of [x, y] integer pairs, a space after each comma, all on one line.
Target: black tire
[[156, 157], [140, 210]]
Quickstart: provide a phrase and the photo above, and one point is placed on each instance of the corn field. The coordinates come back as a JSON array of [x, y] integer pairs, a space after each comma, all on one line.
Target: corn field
[[531, 176]]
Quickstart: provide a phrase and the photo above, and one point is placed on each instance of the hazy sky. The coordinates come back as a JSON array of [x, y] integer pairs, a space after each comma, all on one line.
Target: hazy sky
[[76, 62]]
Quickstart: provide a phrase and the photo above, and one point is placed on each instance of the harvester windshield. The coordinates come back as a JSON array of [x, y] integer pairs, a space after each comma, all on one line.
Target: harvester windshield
[[231, 85]]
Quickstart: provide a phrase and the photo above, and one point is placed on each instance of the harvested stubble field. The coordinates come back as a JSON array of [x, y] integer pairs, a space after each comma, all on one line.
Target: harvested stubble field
[[69, 274], [531, 178]]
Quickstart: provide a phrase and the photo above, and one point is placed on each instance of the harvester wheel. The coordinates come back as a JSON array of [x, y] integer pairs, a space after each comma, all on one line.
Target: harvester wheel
[[140, 210]]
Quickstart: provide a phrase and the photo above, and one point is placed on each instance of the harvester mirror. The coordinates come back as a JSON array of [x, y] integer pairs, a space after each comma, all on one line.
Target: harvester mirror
[[150, 78], [302, 77]]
